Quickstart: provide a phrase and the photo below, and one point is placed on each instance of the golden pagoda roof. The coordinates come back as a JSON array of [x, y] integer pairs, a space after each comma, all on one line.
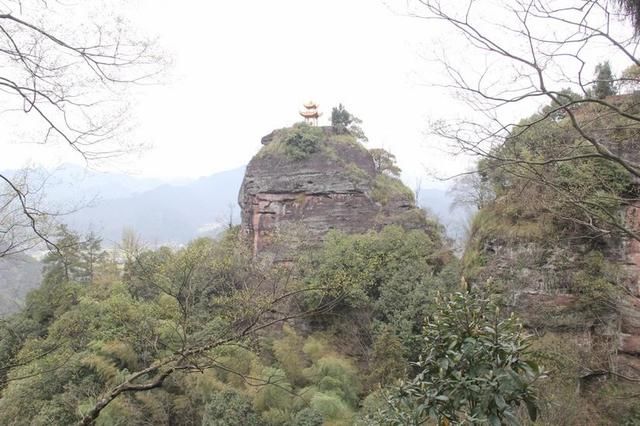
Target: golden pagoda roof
[[310, 105], [311, 113]]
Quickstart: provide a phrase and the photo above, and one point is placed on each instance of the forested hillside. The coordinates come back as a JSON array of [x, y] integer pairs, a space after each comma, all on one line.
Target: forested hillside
[[190, 321], [330, 297]]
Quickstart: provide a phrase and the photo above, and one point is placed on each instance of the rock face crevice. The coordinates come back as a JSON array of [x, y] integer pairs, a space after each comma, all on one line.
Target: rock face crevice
[[331, 188]]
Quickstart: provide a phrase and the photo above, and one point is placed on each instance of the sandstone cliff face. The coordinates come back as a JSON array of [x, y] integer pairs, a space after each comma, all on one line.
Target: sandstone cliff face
[[335, 186], [629, 305], [545, 283]]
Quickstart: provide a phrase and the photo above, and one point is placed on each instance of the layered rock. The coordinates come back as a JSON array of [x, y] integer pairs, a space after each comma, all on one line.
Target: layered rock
[[548, 284], [332, 185]]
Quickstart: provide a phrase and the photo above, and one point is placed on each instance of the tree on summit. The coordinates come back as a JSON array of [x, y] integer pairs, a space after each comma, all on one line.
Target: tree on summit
[[345, 122]]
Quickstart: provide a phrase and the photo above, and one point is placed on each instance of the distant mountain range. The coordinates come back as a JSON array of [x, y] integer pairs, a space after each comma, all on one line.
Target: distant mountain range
[[174, 213], [166, 214]]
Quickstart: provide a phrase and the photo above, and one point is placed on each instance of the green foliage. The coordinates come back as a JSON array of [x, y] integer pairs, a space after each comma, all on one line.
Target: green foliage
[[335, 376], [331, 407], [356, 175], [143, 409], [228, 408], [77, 339], [340, 117], [387, 364], [276, 395], [297, 142], [373, 409], [385, 162], [387, 189], [476, 367], [288, 352], [90, 345], [363, 265], [75, 259], [595, 286], [326, 390], [567, 357], [604, 79], [392, 275], [536, 194], [630, 79], [308, 417], [345, 122]]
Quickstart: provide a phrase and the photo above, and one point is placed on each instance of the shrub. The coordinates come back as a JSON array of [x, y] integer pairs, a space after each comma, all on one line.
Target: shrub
[[300, 141], [330, 407], [309, 417], [475, 368], [288, 352], [388, 188], [229, 408]]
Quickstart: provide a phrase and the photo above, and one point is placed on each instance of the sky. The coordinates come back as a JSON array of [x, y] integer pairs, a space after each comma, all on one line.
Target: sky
[[241, 69]]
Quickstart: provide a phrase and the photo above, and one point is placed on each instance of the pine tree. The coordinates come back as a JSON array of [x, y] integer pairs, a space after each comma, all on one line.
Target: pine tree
[[604, 81]]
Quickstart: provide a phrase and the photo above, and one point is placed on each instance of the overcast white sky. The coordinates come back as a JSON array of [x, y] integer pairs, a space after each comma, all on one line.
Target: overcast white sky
[[242, 68]]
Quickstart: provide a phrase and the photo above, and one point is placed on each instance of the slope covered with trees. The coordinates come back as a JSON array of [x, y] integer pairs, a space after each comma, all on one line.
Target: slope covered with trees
[[190, 334]]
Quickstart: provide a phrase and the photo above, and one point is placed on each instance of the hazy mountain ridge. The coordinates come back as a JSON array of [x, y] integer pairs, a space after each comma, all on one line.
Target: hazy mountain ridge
[[440, 203], [166, 214], [172, 213]]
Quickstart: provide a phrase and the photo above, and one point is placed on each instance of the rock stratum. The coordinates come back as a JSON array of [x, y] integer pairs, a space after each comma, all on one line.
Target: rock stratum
[[558, 275], [316, 179]]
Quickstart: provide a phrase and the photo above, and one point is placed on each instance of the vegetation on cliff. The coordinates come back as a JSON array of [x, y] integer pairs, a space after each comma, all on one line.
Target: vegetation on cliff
[[548, 239], [198, 316], [299, 142]]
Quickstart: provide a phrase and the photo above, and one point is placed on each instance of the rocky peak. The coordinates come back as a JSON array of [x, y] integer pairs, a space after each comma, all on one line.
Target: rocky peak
[[318, 179]]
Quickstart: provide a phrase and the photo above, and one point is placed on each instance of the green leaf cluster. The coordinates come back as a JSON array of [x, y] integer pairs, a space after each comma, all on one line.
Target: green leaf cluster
[[388, 189], [475, 368], [299, 141]]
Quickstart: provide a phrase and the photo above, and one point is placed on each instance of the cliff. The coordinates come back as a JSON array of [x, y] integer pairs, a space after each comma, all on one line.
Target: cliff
[[315, 179], [556, 241]]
